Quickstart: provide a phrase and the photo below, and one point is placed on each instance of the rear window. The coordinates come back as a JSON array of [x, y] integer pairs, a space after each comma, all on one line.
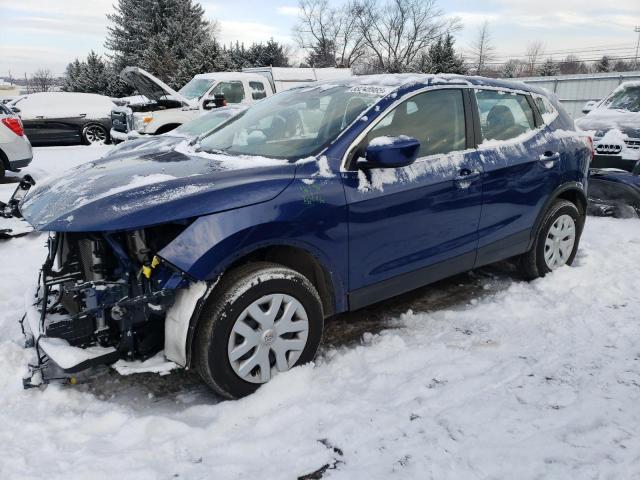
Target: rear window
[[503, 115], [257, 90]]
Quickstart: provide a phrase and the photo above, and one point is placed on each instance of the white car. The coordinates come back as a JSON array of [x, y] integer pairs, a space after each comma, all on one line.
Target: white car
[[15, 149]]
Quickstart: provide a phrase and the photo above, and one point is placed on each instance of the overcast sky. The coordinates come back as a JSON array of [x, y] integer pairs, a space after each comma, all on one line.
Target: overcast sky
[[50, 33]]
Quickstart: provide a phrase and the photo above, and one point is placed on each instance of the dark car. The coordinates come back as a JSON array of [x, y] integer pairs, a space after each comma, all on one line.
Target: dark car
[[229, 254], [65, 117]]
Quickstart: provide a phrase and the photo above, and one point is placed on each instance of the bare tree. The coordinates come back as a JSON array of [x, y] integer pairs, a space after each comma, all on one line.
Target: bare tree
[[533, 53], [482, 50], [41, 81], [331, 34], [397, 32]]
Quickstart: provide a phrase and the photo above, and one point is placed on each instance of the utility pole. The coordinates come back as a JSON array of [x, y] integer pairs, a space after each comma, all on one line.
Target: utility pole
[[637, 30]]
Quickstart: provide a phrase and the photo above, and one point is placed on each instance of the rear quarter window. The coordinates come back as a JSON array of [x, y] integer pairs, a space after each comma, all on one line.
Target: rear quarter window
[[546, 109]]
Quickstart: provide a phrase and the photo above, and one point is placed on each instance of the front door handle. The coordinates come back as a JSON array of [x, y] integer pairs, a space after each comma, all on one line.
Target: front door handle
[[548, 159], [466, 177]]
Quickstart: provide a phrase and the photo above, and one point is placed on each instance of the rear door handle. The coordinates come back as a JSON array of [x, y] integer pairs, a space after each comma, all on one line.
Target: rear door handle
[[548, 159], [466, 177]]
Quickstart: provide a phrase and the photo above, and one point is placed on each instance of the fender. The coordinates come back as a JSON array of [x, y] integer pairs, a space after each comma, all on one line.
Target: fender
[[575, 187]]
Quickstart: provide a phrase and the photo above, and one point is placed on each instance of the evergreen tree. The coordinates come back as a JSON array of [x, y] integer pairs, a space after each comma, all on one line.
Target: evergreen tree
[[160, 36], [441, 58], [603, 65], [510, 69], [72, 72], [322, 54], [549, 68]]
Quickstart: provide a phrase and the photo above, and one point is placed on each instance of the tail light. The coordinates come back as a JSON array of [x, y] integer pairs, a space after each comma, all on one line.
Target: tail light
[[589, 140], [15, 125]]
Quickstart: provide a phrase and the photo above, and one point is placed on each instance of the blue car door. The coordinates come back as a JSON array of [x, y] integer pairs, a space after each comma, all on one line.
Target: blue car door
[[412, 225], [522, 167]]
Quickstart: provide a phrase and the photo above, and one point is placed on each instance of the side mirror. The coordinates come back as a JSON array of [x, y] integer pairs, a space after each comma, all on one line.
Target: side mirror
[[15, 109], [589, 106], [217, 101], [390, 152]]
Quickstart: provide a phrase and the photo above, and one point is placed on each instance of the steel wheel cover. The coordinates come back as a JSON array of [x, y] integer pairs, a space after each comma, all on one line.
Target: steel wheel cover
[[268, 337], [559, 242]]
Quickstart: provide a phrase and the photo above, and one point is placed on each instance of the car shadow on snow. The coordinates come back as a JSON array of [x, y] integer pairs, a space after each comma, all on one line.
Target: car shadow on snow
[[184, 387]]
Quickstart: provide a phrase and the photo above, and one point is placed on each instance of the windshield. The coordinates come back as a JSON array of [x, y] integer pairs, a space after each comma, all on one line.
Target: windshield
[[207, 122], [294, 124], [627, 98], [196, 88]]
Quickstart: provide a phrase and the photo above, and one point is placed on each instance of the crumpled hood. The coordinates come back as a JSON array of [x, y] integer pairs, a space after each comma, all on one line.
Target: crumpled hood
[[122, 193], [604, 119], [150, 86]]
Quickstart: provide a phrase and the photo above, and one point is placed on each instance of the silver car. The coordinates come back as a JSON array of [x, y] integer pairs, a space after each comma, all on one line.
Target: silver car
[[15, 149]]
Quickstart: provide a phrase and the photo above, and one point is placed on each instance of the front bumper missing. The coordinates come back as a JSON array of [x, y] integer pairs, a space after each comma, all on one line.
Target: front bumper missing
[[66, 343]]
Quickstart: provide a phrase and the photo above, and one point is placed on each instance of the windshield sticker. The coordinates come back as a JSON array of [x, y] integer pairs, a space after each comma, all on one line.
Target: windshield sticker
[[369, 90]]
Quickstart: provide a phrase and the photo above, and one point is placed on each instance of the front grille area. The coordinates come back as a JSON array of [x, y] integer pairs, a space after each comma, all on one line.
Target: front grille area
[[633, 143], [119, 121]]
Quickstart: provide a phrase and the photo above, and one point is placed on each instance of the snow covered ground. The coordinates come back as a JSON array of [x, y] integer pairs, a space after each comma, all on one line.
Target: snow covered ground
[[506, 380]]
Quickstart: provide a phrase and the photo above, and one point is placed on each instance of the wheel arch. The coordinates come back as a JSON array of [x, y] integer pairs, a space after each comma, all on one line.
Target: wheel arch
[[4, 160], [166, 128], [571, 191], [291, 256]]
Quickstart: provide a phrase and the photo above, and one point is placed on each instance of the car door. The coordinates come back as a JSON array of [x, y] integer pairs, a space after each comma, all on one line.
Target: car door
[[521, 165], [412, 225]]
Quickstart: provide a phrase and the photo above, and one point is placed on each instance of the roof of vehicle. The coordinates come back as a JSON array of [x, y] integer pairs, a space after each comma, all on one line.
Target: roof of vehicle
[[230, 76], [395, 81]]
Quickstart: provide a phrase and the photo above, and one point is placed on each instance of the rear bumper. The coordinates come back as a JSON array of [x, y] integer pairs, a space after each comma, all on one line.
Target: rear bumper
[[17, 164], [18, 152], [614, 161]]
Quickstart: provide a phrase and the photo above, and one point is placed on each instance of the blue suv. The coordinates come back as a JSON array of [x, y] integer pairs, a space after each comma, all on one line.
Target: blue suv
[[228, 253]]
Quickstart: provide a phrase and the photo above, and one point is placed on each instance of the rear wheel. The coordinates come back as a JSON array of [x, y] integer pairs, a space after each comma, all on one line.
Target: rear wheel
[[262, 319], [94, 135], [556, 242]]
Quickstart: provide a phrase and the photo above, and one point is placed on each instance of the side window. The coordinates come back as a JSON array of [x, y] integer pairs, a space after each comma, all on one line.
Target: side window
[[257, 90], [503, 115], [546, 109], [233, 91], [435, 119]]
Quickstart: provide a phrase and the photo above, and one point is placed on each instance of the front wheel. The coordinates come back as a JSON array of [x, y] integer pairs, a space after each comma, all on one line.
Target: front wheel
[[556, 242], [94, 135], [262, 319]]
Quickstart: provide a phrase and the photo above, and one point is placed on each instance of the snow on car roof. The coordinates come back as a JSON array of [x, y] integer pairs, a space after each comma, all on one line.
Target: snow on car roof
[[398, 80], [230, 76]]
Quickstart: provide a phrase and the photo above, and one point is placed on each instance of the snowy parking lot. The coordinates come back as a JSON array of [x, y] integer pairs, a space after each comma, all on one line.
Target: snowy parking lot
[[480, 376]]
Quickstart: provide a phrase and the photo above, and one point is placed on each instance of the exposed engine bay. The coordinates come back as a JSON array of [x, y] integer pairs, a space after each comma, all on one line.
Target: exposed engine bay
[[105, 293]]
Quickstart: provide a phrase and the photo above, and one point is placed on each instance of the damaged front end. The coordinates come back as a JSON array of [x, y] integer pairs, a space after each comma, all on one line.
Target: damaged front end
[[101, 297]]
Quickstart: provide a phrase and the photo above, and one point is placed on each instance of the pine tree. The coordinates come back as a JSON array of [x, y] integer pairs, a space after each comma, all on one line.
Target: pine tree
[[549, 68], [603, 65], [322, 54], [161, 36], [441, 58], [72, 72], [511, 68]]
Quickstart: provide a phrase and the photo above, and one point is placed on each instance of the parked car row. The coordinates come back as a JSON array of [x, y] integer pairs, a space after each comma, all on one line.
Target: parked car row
[[228, 251]]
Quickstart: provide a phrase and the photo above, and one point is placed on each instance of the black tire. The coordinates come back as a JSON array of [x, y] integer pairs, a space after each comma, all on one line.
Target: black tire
[[86, 132], [2, 168], [237, 290], [532, 264]]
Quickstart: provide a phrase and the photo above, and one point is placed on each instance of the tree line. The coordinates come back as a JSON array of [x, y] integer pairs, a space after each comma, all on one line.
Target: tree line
[[173, 40]]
